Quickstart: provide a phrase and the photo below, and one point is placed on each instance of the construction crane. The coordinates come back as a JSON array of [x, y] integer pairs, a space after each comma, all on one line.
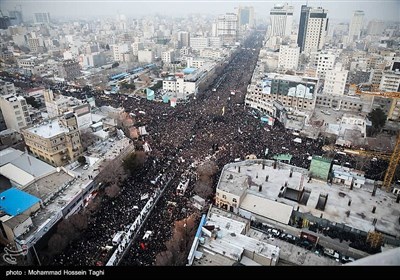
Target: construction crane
[[372, 89], [394, 160], [371, 154]]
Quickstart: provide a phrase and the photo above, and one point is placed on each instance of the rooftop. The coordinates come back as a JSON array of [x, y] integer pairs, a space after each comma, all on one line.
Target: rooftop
[[48, 129], [360, 217], [14, 201]]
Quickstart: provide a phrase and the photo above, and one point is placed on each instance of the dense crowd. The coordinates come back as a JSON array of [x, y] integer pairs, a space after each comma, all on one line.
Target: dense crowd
[[213, 124]]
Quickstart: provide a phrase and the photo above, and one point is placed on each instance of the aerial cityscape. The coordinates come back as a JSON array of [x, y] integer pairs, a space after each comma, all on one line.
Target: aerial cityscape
[[199, 133]]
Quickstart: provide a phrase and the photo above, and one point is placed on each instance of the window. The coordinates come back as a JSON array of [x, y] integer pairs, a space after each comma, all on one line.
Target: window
[[234, 200], [224, 196]]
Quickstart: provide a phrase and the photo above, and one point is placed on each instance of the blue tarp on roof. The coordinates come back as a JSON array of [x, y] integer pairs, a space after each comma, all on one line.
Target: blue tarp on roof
[[14, 201]]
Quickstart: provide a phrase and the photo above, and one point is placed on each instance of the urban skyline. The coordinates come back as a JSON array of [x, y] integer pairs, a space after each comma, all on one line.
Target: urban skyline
[[387, 10]]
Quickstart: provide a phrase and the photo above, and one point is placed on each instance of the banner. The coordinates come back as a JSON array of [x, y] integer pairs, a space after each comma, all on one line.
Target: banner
[[173, 102], [150, 94]]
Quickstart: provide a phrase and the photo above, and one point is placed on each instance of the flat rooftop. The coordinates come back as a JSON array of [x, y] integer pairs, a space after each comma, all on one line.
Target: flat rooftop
[[14, 201], [48, 129], [293, 254], [74, 188], [362, 202], [46, 186], [228, 242]]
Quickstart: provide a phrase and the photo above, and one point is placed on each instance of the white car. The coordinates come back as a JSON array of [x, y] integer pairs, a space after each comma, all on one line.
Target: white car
[[85, 167]]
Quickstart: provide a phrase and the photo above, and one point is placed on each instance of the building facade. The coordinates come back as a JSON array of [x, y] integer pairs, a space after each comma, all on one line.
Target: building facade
[[335, 80], [56, 141], [227, 28], [15, 111], [281, 20], [312, 28], [288, 57], [356, 25]]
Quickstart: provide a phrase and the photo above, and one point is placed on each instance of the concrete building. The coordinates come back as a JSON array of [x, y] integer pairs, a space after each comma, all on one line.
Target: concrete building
[[325, 61], [335, 80], [215, 42], [56, 141], [145, 56], [15, 111], [312, 28], [95, 60], [168, 56], [119, 51], [199, 43], [183, 39], [245, 16], [41, 17], [19, 169], [355, 104], [288, 57], [277, 193], [293, 93], [390, 81], [223, 239], [281, 20], [16, 207], [69, 69], [180, 88], [7, 88], [356, 25], [375, 27], [227, 28]]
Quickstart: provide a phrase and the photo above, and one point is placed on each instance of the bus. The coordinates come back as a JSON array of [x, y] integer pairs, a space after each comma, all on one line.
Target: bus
[[181, 189]]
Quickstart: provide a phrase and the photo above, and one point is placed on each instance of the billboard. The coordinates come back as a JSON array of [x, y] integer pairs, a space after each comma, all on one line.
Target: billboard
[[173, 101], [165, 98], [266, 86], [300, 90]]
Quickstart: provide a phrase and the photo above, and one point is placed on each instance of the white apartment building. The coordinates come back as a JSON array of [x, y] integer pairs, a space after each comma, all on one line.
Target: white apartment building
[[215, 42], [312, 28], [288, 57], [199, 43], [210, 53], [168, 56], [7, 88], [145, 56], [281, 20], [119, 51], [325, 61], [390, 81], [137, 46], [15, 111], [227, 28], [180, 88], [356, 25], [335, 80]]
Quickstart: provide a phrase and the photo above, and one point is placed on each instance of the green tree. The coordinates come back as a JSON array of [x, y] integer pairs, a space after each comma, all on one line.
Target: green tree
[[81, 160], [378, 119]]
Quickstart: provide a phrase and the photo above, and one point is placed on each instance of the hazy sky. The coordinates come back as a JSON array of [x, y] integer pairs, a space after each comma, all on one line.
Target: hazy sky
[[338, 9]]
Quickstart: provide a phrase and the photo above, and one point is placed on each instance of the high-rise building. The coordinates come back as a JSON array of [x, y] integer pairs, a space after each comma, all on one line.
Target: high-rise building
[[15, 17], [42, 17], [356, 25], [281, 20], [7, 88], [246, 16], [375, 27], [183, 39], [325, 62], [312, 28], [335, 80], [288, 57], [69, 69], [227, 28], [15, 111]]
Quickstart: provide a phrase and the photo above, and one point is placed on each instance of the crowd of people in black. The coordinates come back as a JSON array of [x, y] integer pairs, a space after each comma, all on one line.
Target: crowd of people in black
[[213, 124]]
